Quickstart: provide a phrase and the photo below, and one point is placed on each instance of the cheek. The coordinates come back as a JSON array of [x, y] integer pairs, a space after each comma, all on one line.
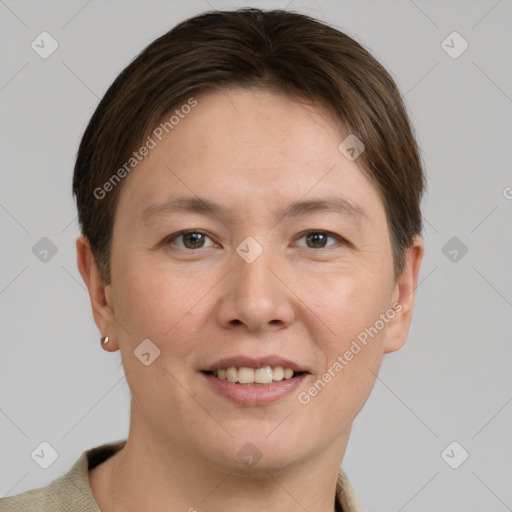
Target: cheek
[[351, 357], [158, 305], [347, 302], [341, 392], [349, 312], [154, 303]]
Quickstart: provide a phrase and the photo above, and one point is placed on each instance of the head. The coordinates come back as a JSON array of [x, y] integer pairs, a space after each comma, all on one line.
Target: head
[[283, 150]]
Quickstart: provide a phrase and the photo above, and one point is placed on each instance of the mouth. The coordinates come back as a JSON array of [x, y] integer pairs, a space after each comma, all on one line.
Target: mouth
[[252, 382], [255, 381], [248, 376]]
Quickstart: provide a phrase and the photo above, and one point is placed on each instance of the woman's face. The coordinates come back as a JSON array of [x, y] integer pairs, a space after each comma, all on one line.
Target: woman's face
[[266, 277]]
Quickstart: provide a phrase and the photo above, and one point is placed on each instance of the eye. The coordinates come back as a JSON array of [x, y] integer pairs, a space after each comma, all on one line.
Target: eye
[[196, 239], [191, 240], [318, 239]]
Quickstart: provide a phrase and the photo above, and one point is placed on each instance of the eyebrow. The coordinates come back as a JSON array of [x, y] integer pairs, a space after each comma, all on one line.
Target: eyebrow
[[209, 208]]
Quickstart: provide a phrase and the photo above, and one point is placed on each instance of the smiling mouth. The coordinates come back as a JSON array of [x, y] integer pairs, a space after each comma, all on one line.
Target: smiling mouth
[[254, 376]]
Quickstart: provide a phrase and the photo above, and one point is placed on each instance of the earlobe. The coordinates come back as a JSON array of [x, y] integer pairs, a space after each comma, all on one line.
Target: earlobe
[[99, 293], [404, 295]]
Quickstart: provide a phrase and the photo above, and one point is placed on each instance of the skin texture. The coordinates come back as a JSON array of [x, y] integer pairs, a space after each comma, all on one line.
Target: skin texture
[[252, 151]]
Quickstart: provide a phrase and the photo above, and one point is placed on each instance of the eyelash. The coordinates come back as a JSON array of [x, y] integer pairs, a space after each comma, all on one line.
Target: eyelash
[[171, 238]]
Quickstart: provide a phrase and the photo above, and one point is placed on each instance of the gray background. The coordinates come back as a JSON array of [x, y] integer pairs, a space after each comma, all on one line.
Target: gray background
[[451, 382]]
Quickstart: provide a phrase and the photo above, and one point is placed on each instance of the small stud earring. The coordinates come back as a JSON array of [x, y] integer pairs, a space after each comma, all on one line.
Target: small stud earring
[[104, 340]]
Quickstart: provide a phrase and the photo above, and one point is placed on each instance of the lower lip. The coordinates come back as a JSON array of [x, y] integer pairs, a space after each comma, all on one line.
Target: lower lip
[[255, 394]]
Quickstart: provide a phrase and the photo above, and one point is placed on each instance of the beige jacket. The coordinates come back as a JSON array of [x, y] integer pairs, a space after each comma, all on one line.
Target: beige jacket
[[72, 491]]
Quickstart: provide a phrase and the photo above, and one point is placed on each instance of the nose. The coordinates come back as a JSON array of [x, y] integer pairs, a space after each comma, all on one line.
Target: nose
[[256, 295]]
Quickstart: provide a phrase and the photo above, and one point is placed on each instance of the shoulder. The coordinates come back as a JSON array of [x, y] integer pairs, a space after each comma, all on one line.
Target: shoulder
[[52, 497], [70, 492], [346, 494], [36, 500]]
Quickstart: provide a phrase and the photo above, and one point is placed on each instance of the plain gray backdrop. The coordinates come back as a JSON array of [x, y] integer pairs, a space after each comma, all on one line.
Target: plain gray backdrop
[[450, 383]]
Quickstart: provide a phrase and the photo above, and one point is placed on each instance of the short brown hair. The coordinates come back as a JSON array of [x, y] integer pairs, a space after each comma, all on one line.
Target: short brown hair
[[275, 50]]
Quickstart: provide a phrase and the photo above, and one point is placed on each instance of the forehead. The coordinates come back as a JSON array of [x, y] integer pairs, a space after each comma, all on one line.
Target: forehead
[[248, 149]]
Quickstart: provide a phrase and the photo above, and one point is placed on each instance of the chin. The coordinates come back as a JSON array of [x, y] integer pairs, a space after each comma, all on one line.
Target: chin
[[256, 453]]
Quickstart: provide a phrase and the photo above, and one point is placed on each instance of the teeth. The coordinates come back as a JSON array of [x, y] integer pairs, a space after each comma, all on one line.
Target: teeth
[[263, 375], [277, 373], [245, 375], [288, 373], [231, 374]]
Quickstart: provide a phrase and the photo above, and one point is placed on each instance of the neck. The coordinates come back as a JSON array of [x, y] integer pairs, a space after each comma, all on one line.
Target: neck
[[145, 476]]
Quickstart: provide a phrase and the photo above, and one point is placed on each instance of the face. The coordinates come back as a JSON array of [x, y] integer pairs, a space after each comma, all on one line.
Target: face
[[247, 240]]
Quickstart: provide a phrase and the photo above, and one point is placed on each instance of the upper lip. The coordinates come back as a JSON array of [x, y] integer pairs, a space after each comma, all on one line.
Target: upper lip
[[255, 362]]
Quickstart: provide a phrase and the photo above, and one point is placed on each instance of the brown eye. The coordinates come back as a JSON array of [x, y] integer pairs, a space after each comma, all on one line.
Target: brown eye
[[190, 240], [193, 240], [318, 239]]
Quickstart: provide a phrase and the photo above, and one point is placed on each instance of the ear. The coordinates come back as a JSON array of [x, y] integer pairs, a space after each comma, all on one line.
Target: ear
[[404, 294], [99, 293]]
